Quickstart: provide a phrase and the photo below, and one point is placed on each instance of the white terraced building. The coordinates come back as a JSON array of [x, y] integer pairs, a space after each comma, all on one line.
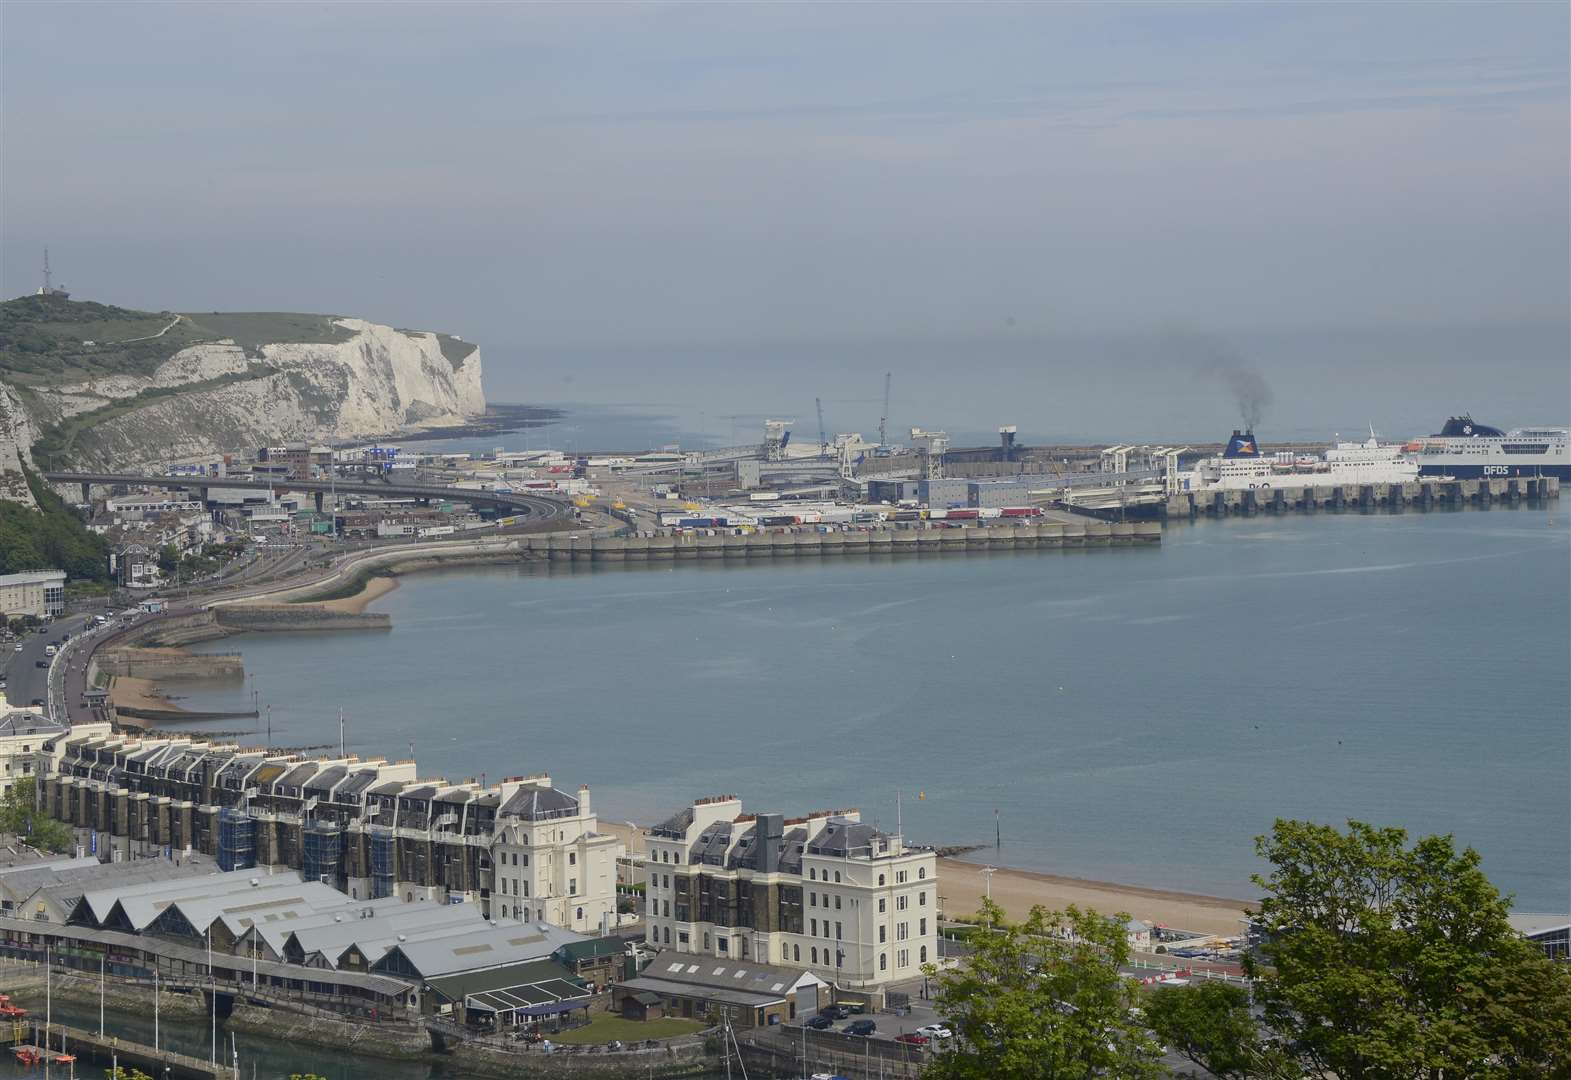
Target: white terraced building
[[824, 892]]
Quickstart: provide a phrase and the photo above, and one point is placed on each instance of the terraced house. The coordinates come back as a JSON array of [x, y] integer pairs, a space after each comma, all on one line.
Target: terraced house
[[521, 849], [824, 892]]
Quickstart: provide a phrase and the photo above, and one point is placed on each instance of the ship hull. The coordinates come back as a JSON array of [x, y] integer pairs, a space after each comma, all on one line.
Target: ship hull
[[1494, 472]]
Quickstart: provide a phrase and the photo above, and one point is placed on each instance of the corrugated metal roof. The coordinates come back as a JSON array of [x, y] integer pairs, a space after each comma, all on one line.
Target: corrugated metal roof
[[488, 948]]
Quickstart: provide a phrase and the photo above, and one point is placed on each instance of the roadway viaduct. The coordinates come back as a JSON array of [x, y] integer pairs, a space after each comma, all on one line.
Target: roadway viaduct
[[538, 509]]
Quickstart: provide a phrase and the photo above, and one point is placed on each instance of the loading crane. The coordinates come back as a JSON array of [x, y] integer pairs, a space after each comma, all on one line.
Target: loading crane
[[823, 441]]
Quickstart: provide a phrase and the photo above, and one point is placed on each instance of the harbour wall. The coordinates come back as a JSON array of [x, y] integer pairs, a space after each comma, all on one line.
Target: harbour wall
[[811, 543], [1419, 494]]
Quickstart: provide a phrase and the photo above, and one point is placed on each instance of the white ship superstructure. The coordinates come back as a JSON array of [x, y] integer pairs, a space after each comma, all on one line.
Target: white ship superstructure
[[1243, 466], [1466, 449]]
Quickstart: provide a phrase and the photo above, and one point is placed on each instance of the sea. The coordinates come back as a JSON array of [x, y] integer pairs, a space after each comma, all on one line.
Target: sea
[[1129, 715]]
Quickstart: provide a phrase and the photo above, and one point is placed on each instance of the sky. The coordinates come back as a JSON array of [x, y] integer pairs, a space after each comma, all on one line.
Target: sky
[[1073, 218]]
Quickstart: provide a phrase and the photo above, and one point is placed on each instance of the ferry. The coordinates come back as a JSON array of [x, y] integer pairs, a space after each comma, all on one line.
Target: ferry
[[1243, 465], [1467, 450]]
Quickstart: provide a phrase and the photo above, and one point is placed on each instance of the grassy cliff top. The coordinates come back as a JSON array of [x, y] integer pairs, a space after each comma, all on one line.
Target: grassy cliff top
[[51, 339]]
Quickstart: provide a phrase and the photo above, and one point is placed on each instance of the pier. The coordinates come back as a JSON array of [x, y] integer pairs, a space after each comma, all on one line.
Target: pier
[[808, 542], [1420, 494], [61, 1041]]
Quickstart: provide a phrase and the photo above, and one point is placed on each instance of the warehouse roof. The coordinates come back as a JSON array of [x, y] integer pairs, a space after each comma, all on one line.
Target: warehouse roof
[[531, 973], [141, 903], [493, 946]]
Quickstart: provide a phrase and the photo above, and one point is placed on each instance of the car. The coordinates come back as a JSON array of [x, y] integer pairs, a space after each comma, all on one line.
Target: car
[[41, 663], [835, 1012], [38, 703], [17, 649], [818, 1023], [935, 1031], [863, 1028], [915, 1038]]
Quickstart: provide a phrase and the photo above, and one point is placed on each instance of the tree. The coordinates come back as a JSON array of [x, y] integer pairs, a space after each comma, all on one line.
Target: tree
[[126, 1072], [1211, 1024], [168, 559], [19, 817], [1390, 962], [1042, 1000]]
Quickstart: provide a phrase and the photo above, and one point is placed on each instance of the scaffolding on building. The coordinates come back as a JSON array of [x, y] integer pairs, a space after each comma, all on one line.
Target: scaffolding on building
[[323, 851], [236, 840]]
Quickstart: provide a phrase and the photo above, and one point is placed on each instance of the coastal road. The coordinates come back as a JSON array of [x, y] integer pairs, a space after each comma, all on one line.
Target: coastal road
[[25, 680], [535, 507]]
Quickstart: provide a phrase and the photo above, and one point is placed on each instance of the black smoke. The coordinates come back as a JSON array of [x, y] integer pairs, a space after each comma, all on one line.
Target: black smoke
[[1216, 359]]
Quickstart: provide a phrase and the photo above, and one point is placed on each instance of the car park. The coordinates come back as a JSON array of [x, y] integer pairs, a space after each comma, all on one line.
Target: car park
[[864, 1028]]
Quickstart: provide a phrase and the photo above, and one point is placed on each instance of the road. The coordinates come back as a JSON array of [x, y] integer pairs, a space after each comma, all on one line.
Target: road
[[25, 681], [538, 509]]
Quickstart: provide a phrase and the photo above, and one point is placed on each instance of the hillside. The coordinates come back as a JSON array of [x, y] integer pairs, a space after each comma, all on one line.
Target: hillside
[[93, 385]]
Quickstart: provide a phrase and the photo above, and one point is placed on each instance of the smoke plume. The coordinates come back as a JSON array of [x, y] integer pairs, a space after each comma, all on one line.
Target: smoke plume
[[1220, 361]]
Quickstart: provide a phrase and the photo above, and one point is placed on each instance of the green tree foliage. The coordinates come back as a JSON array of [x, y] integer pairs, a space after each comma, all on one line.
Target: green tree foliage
[[1211, 1024], [125, 1072], [49, 538], [1032, 1004], [18, 816], [1390, 962]]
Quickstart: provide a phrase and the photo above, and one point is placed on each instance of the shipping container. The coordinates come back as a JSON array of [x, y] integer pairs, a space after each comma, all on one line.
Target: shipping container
[[1021, 511], [962, 515]]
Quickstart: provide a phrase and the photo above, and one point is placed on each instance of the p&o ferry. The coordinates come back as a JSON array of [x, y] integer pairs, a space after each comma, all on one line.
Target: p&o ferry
[[1467, 450]]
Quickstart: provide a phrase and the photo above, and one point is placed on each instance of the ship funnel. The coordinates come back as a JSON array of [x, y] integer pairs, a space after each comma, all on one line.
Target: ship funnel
[[1242, 445]]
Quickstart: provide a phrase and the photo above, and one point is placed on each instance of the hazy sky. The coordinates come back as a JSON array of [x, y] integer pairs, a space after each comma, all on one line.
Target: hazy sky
[[1031, 213]]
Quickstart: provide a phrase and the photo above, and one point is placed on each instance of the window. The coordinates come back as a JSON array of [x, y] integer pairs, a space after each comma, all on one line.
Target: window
[[837, 902], [525, 887], [812, 899], [921, 872], [900, 902], [921, 898], [504, 911], [666, 904], [725, 945], [837, 875], [880, 905], [572, 886], [903, 959], [676, 856], [815, 927], [815, 956], [572, 858], [921, 928], [881, 938], [837, 932], [665, 856], [883, 962], [668, 881], [796, 952], [880, 879], [580, 914], [902, 931], [668, 935], [812, 873], [706, 939], [923, 954], [526, 858], [681, 937]]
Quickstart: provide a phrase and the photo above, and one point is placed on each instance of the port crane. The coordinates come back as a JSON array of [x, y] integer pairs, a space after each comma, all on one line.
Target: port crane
[[823, 442]]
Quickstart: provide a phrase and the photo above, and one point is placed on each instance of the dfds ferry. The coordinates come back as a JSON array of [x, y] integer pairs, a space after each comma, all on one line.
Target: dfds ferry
[[1468, 450]]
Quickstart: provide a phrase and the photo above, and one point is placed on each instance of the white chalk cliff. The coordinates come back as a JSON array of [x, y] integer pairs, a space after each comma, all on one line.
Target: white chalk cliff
[[218, 396]]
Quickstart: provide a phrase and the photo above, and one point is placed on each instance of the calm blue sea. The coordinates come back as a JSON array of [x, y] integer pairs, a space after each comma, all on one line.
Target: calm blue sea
[[1130, 715]]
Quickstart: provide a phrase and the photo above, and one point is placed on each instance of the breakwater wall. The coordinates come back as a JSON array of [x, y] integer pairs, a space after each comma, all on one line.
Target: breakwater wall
[[1418, 494], [274, 618], [169, 664], [811, 543]]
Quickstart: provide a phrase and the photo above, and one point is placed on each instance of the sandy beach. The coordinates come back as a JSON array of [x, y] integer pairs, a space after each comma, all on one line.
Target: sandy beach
[[353, 605], [962, 886], [127, 692]]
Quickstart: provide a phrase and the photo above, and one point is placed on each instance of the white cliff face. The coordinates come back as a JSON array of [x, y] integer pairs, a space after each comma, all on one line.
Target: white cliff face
[[16, 435], [378, 382]]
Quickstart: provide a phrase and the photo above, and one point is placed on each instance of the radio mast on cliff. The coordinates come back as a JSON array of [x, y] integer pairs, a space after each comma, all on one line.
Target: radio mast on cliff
[[48, 287]]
